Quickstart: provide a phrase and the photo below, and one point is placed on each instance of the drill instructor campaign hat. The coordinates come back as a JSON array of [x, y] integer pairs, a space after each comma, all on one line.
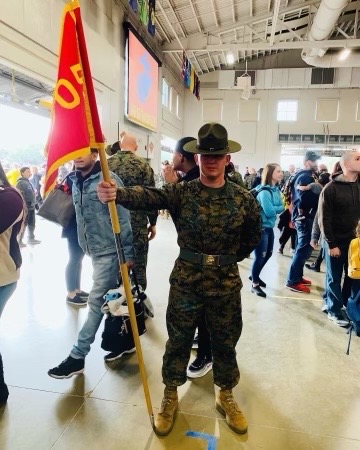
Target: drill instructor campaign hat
[[212, 140]]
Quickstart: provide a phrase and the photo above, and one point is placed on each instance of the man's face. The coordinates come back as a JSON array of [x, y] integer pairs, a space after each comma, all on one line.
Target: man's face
[[312, 165], [212, 166], [86, 162], [177, 160], [291, 168], [26, 173], [353, 163]]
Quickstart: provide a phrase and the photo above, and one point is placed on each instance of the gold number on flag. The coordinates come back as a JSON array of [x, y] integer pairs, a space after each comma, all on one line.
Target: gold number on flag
[[76, 71]]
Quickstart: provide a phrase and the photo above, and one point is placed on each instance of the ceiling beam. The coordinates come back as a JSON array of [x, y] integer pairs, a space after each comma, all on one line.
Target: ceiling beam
[[251, 8], [285, 45], [214, 12], [294, 33], [274, 20], [233, 11], [196, 18], [245, 21], [343, 33], [255, 33]]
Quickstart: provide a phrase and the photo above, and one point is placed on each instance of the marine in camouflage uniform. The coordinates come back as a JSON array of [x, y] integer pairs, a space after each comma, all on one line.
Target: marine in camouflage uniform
[[209, 221], [218, 223], [135, 171]]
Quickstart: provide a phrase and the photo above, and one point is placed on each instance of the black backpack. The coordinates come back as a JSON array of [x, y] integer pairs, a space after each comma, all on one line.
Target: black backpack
[[256, 190]]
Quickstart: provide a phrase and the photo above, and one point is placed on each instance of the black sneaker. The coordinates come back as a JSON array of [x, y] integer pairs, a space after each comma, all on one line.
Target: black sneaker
[[258, 291], [313, 266], [199, 367], [113, 356], [261, 282], [83, 294], [195, 343], [76, 301], [69, 367]]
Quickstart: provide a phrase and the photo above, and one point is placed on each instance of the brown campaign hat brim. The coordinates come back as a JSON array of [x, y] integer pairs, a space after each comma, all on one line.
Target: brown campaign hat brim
[[232, 147]]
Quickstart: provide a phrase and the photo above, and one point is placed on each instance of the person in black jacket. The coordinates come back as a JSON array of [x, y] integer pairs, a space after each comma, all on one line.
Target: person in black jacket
[[307, 202], [339, 212], [28, 193]]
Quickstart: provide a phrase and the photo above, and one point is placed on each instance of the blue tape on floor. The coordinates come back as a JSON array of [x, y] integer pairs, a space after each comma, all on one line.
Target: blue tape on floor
[[211, 440]]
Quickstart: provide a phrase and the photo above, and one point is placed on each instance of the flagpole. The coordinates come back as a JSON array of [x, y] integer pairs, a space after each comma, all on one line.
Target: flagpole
[[126, 283]]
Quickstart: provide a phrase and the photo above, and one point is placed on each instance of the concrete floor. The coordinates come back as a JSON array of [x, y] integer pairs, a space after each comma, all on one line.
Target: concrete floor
[[298, 388]]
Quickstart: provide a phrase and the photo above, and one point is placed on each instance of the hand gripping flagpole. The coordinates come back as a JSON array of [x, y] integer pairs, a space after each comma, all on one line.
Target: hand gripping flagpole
[[125, 279]]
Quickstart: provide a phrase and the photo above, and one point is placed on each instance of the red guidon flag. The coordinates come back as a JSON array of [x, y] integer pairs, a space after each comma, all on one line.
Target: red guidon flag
[[75, 125]]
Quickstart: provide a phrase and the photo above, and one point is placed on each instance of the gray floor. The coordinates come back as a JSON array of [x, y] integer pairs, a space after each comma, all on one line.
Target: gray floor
[[298, 389]]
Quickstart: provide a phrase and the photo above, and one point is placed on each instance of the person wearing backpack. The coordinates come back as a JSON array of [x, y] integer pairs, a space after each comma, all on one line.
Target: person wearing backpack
[[306, 202], [268, 196]]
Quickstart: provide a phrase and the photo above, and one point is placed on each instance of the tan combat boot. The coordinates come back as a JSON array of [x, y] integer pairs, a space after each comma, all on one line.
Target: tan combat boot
[[226, 404], [165, 419]]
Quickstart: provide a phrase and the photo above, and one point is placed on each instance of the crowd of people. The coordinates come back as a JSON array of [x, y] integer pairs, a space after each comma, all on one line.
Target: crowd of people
[[221, 218]]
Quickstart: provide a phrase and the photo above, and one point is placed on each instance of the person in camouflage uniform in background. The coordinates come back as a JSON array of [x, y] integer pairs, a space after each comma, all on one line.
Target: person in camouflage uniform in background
[[218, 223], [135, 171]]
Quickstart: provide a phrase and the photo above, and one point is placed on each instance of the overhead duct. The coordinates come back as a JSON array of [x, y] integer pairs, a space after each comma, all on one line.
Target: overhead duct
[[324, 22]]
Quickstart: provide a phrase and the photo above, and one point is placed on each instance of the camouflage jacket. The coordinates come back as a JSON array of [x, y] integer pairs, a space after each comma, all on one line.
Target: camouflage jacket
[[236, 177], [212, 221], [135, 171]]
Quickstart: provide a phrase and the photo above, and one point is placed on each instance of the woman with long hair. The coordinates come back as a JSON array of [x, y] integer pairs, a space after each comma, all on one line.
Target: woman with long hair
[[269, 198]]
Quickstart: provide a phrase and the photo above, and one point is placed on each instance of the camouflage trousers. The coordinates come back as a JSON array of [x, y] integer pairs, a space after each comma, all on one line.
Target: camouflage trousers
[[224, 321], [141, 247]]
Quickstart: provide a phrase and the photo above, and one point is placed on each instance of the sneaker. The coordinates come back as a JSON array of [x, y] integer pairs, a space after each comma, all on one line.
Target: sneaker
[[313, 266], [83, 294], [305, 282], [339, 319], [258, 291], [165, 419], [113, 356], [226, 405], [195, 343], [298, 287], [261, 282], [33, 241], [69, 367], [199, 367], [76, 301]]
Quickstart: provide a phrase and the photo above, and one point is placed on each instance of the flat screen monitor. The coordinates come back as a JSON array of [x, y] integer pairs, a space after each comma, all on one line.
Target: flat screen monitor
[[142, 90]]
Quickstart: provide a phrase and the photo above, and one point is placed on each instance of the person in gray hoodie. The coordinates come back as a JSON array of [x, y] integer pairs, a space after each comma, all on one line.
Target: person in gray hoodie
[[339, 212], [28, 193]]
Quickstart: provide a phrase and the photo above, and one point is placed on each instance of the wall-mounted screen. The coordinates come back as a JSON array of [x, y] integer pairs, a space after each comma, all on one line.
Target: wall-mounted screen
[[142, 77]]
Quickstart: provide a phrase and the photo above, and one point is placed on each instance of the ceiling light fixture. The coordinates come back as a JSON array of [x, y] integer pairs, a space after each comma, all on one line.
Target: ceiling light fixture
[[230, 58], [344, 54]]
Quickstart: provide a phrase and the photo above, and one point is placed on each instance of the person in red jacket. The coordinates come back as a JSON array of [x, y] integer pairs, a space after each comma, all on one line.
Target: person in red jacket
[[11, 219]]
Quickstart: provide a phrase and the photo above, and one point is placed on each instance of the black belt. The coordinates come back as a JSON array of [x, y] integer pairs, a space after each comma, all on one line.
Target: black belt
[[207, 260]]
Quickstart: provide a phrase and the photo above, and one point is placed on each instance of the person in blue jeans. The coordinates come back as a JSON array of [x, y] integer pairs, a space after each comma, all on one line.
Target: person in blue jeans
[[75, 295], [11, 222], [269, 198], [306, 202], [339, 212], [97, 240]]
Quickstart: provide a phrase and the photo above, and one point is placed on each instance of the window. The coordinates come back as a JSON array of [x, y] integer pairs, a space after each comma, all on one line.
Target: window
[[165, 93], [287, 110]]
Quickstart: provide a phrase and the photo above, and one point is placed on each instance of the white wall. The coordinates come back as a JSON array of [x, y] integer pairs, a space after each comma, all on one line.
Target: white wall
[[259, 139], [29, 40]]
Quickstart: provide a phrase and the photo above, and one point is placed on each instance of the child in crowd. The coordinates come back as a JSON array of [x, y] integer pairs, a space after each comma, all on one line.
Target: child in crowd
[[315, 188]]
